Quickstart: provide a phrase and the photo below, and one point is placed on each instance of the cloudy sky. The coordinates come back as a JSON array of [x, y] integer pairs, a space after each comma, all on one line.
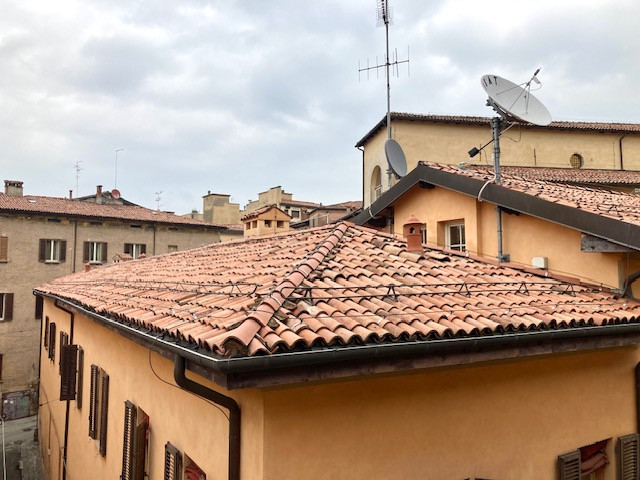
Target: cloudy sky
[[239, 96]]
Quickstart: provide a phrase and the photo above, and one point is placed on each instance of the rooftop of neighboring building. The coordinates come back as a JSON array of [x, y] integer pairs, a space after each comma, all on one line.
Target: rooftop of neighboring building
[[261, 210], [486, 121], [331, 288]]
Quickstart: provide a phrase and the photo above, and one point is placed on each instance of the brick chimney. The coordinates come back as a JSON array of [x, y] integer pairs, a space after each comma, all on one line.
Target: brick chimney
[[412, 233], [99, 194], [13, 187]]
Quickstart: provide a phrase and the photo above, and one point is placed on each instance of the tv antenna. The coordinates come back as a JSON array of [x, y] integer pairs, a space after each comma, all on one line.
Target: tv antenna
[[515, 104], [78, 168], [395, 156], [158, 199]]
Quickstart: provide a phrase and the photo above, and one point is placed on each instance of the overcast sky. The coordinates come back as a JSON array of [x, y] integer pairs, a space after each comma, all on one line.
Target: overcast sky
[[239, 96]]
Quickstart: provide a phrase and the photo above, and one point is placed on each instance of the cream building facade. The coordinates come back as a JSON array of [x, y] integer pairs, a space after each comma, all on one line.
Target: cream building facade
[[42, 238], [448, 139]]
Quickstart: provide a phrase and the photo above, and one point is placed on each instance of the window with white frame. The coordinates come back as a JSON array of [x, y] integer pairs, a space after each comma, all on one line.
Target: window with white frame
[[95, 252], [52, 250], [135, 249], [455, 236], [6, 307], [423, 232]]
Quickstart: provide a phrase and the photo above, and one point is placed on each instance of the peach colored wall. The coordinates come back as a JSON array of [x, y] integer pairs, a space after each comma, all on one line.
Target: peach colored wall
[[449, 143], [191, 424], [507, 421], [524, 237]]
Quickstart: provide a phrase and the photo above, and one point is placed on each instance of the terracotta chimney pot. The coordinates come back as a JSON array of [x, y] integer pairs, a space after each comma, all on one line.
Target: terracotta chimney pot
[[413, 234], [87, 267]]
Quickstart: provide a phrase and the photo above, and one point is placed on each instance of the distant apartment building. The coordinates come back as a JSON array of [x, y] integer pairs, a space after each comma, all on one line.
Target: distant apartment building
[[296, 209], [42, 238]]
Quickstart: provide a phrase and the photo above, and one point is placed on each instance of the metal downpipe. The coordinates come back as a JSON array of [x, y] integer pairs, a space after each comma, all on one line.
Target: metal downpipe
[[219, 399]]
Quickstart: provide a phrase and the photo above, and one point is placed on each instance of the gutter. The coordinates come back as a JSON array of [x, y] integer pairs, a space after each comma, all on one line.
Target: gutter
[[219, 399], [227, 368]]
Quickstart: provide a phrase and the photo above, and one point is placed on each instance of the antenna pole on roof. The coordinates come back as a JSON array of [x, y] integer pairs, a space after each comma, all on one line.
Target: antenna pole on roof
[[78, 169], [115, 182]]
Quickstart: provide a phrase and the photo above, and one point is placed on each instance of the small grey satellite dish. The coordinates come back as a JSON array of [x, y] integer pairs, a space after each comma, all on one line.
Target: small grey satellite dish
[[395, 157], [514, 102]]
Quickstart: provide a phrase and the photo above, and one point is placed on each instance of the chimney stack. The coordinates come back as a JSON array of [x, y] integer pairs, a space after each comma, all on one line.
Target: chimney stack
[[70, 194], [413, 234], [99, 194], [13, 188]]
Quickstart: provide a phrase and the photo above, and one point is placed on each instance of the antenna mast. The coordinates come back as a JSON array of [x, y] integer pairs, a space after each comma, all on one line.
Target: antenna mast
[[384, 16], [78, 169]]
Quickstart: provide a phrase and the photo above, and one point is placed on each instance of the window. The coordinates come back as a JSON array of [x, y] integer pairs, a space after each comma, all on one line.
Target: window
[[135, 249], [39, 307], [134, 445], [98, 408], [576, 160], [280, 224], [295, 213], [191, 470], [455, 238], [64, 341], [423, 232], [79, 381], [4, 248], [172, 463], [52, 251], [376, 184], [172, 248], [95, 252], [68, 370], [45, 339], [6, 307], [267, 223], [254, 224], [52, 341]]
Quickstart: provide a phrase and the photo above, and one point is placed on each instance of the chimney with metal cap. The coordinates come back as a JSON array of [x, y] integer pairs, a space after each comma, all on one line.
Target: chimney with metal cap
[[13, 188], [412, 232]]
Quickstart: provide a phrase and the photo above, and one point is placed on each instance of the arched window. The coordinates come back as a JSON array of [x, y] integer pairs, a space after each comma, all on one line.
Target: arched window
[[376, 184]]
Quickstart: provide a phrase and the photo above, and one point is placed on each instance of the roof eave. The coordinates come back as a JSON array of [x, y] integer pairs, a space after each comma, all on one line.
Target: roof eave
[[343, 362]]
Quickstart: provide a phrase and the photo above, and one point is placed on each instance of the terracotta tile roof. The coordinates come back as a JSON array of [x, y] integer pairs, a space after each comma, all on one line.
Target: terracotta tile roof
[[332, 286], [567, 175], [260, 211], [621, 206], [66, 207], [352, 205], [299, 203], [472, 120]]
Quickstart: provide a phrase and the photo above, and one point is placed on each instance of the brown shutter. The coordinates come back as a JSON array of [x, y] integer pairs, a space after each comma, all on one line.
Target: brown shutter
[[130, 414], [139, 449], [143, 249], [86, 251], [104, 252], [46, 332], [128, 249], [104, 410], [93, 403], [64, 341], [628, 453], [39, 306], [63, 250], [43, 250], [80, 377], [68, 364], [4, 248], [172, 463], [569, 466], [52, 341], [8, 307]]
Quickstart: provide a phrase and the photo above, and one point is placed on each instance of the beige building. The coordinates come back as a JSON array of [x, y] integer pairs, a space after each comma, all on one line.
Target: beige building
[[336, 352], [42, 238], [297, 210], [266, 221], [447, 139]]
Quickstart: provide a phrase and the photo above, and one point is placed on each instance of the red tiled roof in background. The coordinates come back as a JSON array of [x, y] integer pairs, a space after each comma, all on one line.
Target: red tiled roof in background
[[566, 175], [352, 205], [67, 207], [260, 211], [299, 203], [472, 120], [621, 206], [332, 286]]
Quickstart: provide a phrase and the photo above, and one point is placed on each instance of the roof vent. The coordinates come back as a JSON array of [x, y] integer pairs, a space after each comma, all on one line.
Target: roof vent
[[413, 234]]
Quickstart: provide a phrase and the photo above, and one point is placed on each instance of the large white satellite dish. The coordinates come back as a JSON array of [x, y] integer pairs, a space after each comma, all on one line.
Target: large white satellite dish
[[395, 157], [514, 102]]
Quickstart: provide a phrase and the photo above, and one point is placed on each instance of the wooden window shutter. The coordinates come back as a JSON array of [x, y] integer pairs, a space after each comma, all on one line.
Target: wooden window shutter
[[128, 248], [64, 341], [4, 248], [45, 340], [104, 410], [130, 413], [39, 307], [93, 403], [172, 463], [143, 249], [63, 250], [86, 251], [68, 366], [52, 341], [569, 466], [628, 453], [104, 252], [80, 377], [8, 307], [42, 252]]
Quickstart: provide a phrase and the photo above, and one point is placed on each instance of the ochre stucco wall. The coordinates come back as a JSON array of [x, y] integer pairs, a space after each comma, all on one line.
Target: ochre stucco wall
[[524, 237], [449, 143], [506, 421], [191, 424]]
